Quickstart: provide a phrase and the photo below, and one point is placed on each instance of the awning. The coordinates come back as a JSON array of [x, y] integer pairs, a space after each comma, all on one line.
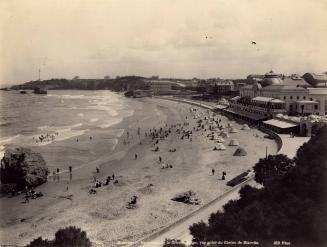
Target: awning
[[235, 98], [246, 114], [306, 102], [280, 124]]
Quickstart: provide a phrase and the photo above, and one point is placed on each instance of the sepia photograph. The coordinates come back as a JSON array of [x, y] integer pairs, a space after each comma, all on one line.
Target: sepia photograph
[[163, 123]]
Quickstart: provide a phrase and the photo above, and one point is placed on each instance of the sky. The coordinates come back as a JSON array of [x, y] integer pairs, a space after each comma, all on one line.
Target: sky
[[168, 38]]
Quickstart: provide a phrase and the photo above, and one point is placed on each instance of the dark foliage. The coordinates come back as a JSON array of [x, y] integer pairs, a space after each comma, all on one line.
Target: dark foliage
[[272, 168], [39, 242], [291, 207], [72, 237], [66, 237]]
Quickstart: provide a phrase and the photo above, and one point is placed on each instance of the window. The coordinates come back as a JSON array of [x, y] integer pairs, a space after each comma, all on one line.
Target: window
[[297, 97], [284, 97], [311, 99], [291, 97], [316, 107], [304, 97]]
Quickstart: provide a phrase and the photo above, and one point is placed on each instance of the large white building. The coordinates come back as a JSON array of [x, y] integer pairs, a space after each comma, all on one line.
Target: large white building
[[298, 96]]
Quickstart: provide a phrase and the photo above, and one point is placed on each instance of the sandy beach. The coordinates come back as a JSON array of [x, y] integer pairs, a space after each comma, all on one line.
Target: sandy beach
[[104, 215]]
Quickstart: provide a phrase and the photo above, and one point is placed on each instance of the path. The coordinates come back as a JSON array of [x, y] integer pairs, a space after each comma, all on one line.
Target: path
[[291, 145]]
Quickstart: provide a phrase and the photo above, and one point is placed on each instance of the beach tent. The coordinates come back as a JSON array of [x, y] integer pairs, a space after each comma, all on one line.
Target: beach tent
[[240, 152], [245, 127], [224, 135], [222, 126], [233, 130], [213, 137], [220, 139], [234, 142], [220, 146]]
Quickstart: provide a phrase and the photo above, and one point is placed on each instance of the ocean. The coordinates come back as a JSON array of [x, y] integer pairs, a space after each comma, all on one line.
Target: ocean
[[32, 120]]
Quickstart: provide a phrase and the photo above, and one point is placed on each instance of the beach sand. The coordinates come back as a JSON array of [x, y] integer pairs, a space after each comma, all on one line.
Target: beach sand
[[104, 215]]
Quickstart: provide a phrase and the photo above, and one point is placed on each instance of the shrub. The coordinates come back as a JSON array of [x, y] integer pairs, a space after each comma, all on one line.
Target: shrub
[[71, 237], [39, 242], [66, 237]]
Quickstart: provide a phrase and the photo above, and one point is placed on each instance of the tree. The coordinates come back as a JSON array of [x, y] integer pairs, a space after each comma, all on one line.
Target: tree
[[39, 242], [271, 168], [71, 237], [66, 237]]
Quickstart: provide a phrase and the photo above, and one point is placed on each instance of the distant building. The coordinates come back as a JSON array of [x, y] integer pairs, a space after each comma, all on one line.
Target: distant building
[[217, 86], [276, 95], [165, 87]]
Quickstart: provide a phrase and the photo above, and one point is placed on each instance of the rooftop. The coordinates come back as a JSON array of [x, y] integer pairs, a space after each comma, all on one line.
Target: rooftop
[[267, 99]]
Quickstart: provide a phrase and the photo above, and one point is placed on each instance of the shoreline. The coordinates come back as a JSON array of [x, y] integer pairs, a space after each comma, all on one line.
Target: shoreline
[[192, 163]]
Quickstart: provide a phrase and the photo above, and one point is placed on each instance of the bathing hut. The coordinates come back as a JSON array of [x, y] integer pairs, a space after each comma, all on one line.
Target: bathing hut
[[220, 139], [234, 142], [240, 152], [224, 135], [220, 146], [222, 126]]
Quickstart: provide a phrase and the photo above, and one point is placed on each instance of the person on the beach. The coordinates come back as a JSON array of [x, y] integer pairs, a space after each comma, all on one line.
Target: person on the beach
[[160, 159], [223, 176], [135, 156], [26, 197], [113, 176], [213, 171], [97, 169], [58, 176], [70, 169]]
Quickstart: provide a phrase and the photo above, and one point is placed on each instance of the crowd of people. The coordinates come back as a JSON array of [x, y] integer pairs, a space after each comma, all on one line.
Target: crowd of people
[[45, 137]]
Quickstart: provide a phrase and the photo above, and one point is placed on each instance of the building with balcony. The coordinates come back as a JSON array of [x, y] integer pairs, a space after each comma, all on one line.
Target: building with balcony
[[278, 95], [299, 96]]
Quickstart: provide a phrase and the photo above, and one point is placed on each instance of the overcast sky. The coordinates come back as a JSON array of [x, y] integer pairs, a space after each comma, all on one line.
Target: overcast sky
[[169, 38]]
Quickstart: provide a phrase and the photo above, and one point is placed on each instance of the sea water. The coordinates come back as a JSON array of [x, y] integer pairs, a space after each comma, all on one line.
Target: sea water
[[34, 120]]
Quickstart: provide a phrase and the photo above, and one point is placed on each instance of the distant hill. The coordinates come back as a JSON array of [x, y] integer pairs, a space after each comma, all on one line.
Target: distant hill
[[117, 84]]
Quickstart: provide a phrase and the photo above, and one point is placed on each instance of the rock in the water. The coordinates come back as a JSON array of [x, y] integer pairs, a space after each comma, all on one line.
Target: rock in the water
[[23, 167]]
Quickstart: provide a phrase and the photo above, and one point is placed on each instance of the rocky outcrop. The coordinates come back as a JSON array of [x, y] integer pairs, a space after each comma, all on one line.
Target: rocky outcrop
[[22, 167]]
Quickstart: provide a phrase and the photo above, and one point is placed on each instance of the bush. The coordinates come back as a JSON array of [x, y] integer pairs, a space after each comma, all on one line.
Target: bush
[[71, 237], [67, 237], [39, 242]]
